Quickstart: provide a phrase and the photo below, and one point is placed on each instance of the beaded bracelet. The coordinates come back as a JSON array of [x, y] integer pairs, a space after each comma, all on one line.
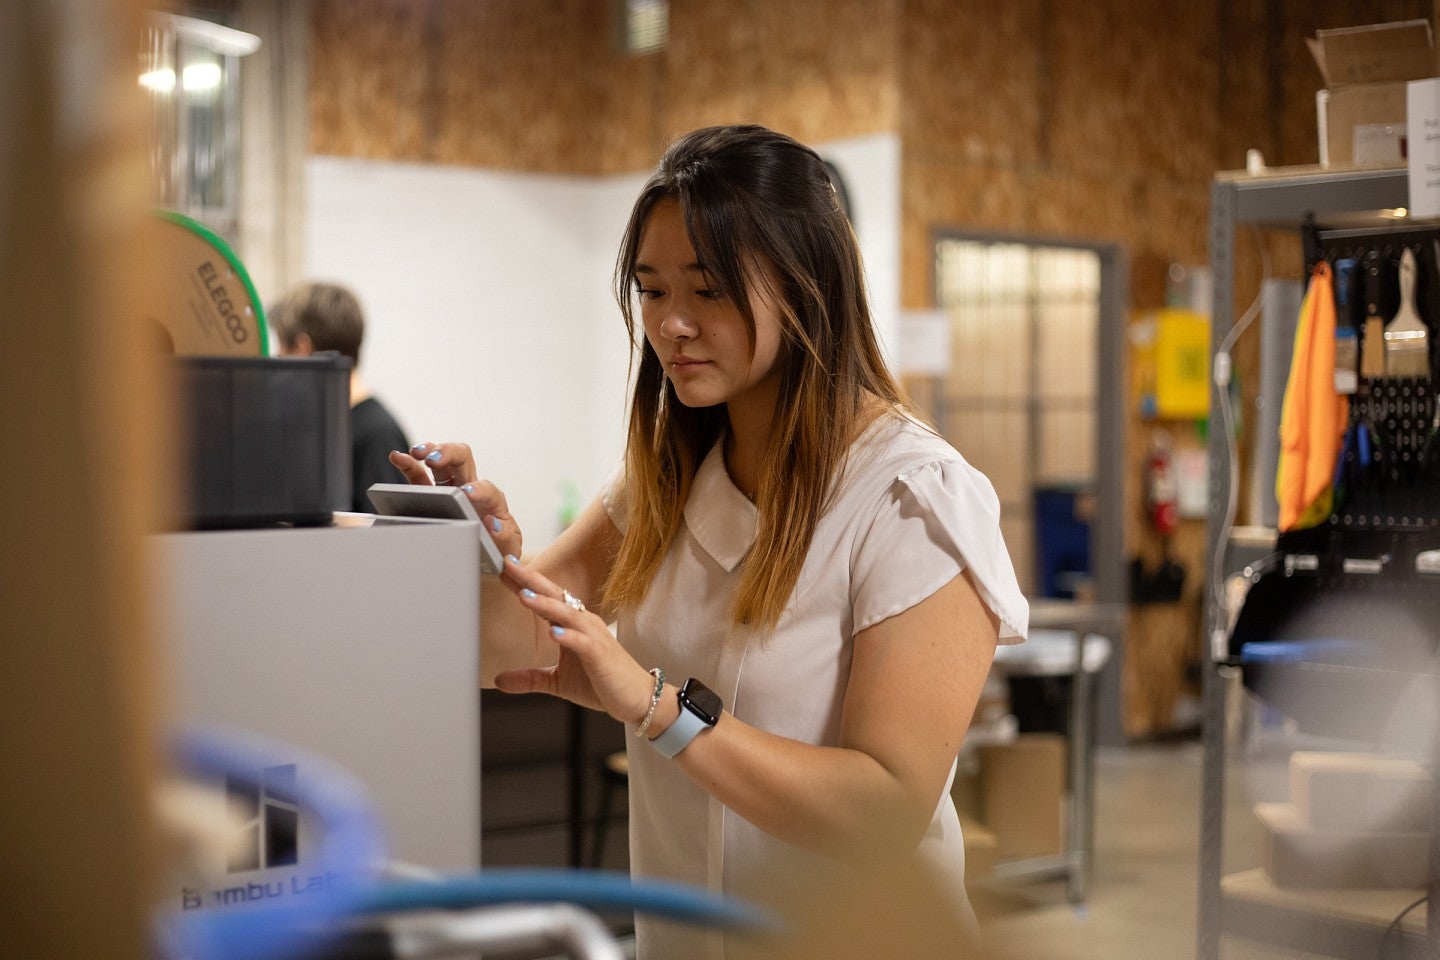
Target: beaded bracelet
[[659, 676]]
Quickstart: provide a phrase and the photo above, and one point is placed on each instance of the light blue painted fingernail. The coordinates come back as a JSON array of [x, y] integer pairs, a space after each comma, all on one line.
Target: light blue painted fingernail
[[418, 447], [495, 525], [557, 632], [434, 457], [528, 594], [470, 488], [513, 559]]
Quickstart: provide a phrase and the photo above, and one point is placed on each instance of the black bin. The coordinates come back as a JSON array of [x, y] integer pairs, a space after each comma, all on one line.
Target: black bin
[[268, 439]]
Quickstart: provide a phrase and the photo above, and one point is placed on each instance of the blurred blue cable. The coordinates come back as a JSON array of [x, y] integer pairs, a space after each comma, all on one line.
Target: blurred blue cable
[[349, 855]]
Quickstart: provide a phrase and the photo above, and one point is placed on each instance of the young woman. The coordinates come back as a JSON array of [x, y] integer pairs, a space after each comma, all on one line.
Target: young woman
[[808, 584]]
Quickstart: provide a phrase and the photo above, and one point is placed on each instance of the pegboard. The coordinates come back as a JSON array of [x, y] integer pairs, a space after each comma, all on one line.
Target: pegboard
[[1389, 480], [1360, 575]]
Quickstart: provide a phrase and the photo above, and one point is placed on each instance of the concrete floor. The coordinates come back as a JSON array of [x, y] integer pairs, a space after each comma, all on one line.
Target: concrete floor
[[1142, 901]]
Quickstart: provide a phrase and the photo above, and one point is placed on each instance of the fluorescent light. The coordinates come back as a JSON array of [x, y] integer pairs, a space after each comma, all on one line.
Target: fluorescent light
[[199, 77], [158, 81]]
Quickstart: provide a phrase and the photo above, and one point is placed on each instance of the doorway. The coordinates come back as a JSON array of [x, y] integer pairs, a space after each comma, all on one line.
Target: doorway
[[1034, 398]]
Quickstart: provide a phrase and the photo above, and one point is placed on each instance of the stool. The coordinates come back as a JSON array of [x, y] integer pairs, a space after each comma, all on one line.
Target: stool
[[614, 774]]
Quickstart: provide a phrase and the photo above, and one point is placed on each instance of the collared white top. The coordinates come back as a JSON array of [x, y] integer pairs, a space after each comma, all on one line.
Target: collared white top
[[910, 514]]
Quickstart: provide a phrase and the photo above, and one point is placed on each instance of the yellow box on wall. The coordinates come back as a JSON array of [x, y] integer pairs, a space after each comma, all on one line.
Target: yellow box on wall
[[1182, 365]]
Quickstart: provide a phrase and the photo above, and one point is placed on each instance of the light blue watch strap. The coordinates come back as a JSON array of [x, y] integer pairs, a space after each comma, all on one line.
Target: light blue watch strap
[[679, 734]]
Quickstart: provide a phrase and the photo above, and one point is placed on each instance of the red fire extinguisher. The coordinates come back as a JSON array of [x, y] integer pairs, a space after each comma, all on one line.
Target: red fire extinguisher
[[1161, 486]]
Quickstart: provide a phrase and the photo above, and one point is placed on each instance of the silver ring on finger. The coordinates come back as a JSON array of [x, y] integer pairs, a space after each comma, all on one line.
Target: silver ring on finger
[[572, 601]]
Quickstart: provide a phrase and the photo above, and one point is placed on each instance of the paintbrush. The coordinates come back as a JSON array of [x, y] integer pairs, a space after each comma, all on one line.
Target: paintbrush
[[1407, 350]]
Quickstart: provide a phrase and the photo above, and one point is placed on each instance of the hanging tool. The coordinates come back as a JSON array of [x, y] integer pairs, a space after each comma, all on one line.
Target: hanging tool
[[1347, 341], [1347, 468], [1407, 352], [1372, 346]]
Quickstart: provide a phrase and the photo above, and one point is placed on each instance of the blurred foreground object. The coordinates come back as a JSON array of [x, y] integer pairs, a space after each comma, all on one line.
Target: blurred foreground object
[[281, 920], [77, 673], [1352, 820], [356, 910], [895, 907]]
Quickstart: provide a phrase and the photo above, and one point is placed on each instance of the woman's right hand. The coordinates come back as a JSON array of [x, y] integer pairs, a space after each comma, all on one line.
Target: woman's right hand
[[453, 465]]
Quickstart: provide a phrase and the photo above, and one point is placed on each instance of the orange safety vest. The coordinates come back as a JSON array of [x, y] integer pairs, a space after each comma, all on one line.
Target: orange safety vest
[[1313, 418]]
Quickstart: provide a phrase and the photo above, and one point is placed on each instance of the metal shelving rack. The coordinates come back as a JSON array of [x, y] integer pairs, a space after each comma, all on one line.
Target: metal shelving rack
[[1277, 199]]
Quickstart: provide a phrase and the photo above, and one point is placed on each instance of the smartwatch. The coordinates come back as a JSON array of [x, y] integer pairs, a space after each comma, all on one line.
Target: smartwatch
[[700, 709]]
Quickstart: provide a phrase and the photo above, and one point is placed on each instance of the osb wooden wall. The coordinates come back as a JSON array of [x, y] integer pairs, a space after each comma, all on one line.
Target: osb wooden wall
[[539, 84], [1102, 121]]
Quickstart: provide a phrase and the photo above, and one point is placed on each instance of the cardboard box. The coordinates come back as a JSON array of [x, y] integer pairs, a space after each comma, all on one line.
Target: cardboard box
[[1296, 856], [1361, 111], [1022, 794], [1359, 792]]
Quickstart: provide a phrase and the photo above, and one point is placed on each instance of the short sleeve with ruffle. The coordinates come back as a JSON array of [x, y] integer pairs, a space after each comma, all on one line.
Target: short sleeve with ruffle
[[930, 523]]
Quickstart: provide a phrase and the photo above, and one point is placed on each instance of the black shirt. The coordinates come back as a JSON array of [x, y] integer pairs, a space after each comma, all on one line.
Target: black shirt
[[373, 434]]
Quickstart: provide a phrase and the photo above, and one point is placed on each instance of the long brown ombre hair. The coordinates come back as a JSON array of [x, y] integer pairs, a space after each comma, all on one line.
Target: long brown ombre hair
[[759, 209]]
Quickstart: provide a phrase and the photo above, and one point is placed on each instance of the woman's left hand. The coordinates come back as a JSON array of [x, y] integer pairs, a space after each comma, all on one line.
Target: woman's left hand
[[594, 670]]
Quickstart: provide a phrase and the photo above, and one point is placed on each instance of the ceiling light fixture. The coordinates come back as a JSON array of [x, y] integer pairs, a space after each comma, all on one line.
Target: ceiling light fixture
[[200, 77], [643, 26], [158, 81]]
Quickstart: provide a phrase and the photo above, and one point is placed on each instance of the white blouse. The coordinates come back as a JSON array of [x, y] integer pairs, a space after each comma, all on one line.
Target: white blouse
[[909, 516]]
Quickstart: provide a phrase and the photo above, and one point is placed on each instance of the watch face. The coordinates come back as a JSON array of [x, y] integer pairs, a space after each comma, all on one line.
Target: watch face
[[701, 700]]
